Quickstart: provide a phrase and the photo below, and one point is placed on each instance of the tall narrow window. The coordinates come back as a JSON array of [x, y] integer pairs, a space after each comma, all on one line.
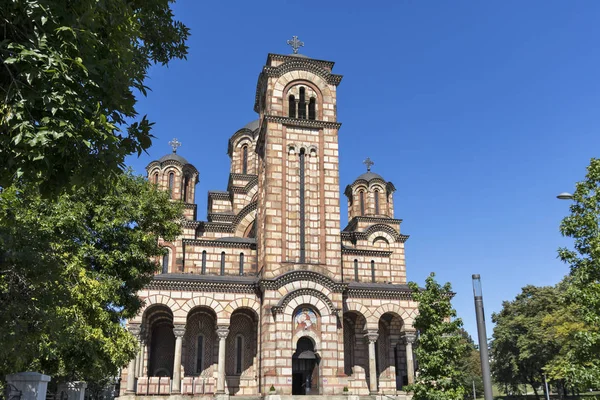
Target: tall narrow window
[[376, 202], [156, 178], [362, 202], [171, 182], [312, 112], [186, 182], [302, 104], [372, 270], [165, 263], [199, 353], [239, 354], [302, 206], [245, 160], [223, 263], [356, 270], [241, 263], [203, 271], [292, 106]]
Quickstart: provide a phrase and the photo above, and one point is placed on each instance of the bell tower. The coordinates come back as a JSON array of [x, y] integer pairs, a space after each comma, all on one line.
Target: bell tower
[[298, 216]]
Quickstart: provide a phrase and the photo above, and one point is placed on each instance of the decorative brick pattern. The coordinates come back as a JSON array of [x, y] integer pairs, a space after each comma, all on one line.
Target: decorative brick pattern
[[337, 288]]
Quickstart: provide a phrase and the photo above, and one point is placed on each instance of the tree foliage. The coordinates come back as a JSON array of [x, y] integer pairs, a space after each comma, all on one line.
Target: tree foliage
[[470, 366], [584, 289], [69, 74], [521, 346], [440, 348], [70, 270]]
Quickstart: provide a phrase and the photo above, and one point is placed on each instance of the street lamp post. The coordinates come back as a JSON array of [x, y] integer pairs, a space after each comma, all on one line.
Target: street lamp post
[[483, 347]]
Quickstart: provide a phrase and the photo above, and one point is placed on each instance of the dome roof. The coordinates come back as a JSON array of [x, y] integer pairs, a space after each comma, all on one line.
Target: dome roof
[[252, 125], [368, 176], [173, 157]]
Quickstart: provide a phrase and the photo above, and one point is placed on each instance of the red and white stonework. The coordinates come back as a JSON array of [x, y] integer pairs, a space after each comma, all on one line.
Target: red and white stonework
[[270, 291]]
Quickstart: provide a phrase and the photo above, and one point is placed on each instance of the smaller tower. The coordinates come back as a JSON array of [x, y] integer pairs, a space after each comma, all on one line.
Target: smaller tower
[[370, 195], [175, 174]]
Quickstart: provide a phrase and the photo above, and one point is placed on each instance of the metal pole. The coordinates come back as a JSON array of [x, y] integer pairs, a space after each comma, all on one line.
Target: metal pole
[[474, 393], [546, 385], [483, 347]]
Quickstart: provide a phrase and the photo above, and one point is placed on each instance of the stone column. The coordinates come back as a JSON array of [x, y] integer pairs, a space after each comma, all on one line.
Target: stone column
[[30, 385], [409, 339], [222, 332], [72, 390], [135, 330], [178, 331], [372, 338]]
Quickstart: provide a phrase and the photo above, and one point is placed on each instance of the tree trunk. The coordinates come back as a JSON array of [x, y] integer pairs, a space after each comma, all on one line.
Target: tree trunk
[[533, 386]]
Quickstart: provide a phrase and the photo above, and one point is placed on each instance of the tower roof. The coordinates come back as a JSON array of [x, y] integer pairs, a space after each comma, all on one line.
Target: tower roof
[[368, 176], [173, 157]]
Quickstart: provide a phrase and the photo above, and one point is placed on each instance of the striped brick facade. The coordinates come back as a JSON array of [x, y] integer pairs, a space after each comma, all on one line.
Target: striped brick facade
[[270, 291]]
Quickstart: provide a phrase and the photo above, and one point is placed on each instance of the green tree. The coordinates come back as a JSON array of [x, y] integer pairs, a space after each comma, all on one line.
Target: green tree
[[584, 289], [439, 347], [521, 347], [69, 76], [70, 270], [470, 366]]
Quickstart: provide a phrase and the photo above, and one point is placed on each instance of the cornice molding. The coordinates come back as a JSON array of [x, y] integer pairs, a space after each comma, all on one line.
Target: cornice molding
[[305, 123], [219, 243], [218, 195], [201, 286], [302, 275], [366, 252], [380, 293]]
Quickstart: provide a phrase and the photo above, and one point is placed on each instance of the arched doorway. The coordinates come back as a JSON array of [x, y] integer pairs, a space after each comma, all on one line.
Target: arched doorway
[[305, 368]]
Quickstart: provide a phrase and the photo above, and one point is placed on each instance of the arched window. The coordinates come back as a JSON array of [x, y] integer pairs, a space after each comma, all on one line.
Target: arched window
[[312, 108], [156, 178], [292, 106], [165, 263], [356, 270], [376, 202], [362, 202], [186, 182], [302, 104], [199, 353], [223, 263], [239, 354], [373, 270], [203, 271], [245, 160], [171, 182], [241, 263]]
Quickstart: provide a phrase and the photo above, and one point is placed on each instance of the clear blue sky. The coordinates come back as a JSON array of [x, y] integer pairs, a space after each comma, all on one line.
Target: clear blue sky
[[478, 112]]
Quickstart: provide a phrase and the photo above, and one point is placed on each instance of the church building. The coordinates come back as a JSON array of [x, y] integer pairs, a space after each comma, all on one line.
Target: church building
[[270, 293]]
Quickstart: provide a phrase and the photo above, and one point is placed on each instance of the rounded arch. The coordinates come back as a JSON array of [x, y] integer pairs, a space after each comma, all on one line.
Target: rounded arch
[[319, 305], [314, 337], [240, 304], [391, 308], [382, 230], [157, 299], [353, 306], [289, 74], [204, 301], [317, 299], [244, 218], [251, 190], [381, 239]]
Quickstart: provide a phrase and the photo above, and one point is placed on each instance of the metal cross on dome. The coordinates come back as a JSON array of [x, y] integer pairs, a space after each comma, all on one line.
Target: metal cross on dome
[[368, 163], [295, 43], [175, 144]]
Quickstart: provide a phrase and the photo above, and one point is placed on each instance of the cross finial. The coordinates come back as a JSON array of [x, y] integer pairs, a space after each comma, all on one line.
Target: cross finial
[[368, 163], [175, 144], [295, 43]]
